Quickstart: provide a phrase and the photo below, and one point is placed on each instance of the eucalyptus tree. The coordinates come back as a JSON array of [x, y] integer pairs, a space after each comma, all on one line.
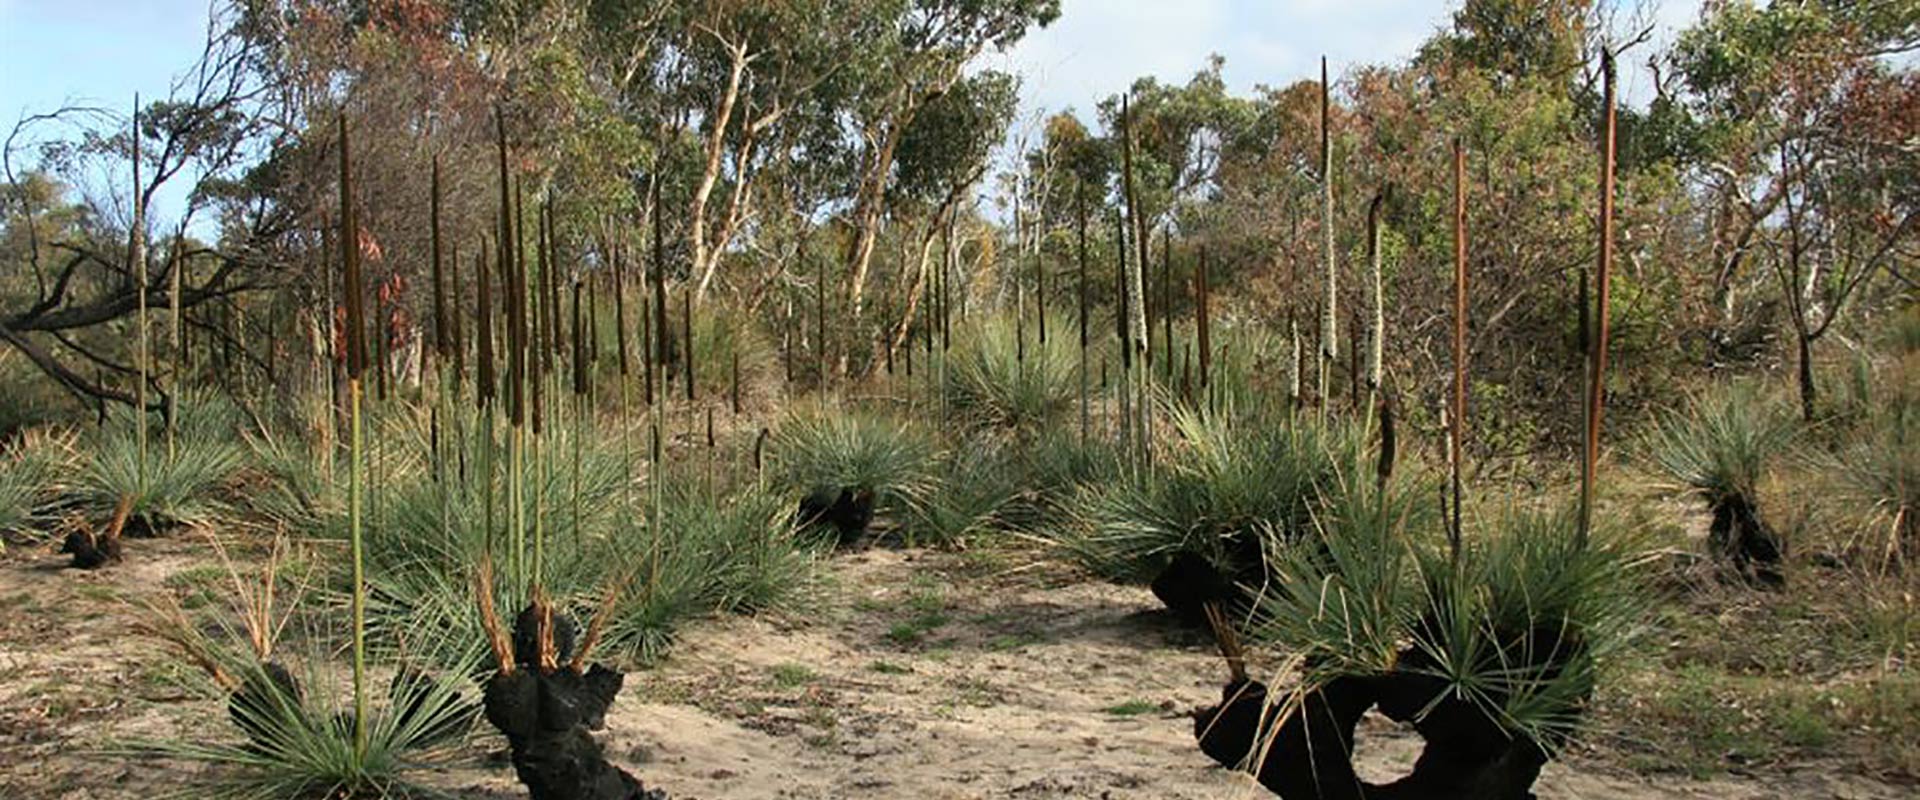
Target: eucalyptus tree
[[942, 155], [69, 280], [1806, 132], [923, 49], [1181, 135]]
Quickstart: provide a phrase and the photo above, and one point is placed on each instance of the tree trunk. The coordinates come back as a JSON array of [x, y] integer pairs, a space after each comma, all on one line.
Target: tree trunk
[[867, 218], [1806, 376], [716, 150]]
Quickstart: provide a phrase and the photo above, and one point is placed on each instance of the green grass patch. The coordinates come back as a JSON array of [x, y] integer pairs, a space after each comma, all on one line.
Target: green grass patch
[[1131, 708], [915, 630], [793, 676]]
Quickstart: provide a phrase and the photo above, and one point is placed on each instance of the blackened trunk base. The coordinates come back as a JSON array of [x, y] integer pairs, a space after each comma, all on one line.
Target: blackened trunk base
[[90, 551], [547, 716], [848, 511], [1466, 756], [1744, 542]]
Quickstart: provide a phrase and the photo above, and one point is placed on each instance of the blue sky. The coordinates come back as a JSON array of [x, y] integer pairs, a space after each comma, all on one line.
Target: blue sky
[[97, 53], [101, 52], [1098, 47]]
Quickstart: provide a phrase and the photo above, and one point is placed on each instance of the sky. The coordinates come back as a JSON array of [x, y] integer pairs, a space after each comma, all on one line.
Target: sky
[[1098, 47], [55, 52]]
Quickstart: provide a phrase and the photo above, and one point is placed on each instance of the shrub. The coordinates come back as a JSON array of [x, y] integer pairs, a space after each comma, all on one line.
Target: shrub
[[979, 488], [1345, 596], [1229, 485], [716, 549], [1876, 474], [180, 483], [1519, 628], [32, 470], [296, 722], [821, 449], [1525, 626], [1718, 446], [1720, 442], [989, 383]]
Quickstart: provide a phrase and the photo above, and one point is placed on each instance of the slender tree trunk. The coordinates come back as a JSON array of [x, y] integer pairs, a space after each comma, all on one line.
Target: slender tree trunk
[[1807, 389], [1137, 283], [1329, 341], [703, 260], [1080, 258], [867, 214]]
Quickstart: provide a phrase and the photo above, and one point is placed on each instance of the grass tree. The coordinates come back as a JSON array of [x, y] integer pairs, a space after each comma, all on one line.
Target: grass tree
[[1718, 446], [1490, 648], [275, 666]]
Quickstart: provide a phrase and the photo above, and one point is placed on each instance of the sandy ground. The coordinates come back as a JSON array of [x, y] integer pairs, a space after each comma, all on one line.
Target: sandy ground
[[928, 676]]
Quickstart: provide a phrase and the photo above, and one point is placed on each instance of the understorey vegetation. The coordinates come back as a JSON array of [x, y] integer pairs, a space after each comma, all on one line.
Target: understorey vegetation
[[500, 346]]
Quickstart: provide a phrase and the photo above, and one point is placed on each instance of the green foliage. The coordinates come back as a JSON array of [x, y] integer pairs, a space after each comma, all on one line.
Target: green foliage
[[821, 448], [1876, 472], [716, 550], [1009, 483], [300, 484], [1720, 443], [32, 401], [299, 739], [1248, 372], [32, 471], [1226, 478], [718, 337], [180, 484], [1346, 595], [1515, 38], [952, 135], [1904, 335], [305, 743], [744, 542], [990, 384], [1528, 621], [1523, 625], [976, 494]]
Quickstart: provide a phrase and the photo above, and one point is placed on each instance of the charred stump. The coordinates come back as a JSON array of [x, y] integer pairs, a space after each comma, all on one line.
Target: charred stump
[[1191, 581], [89, 550], [145, 526], [93, 551], [847, 511], [1311, 753], [1742, 541], [266, 695], [547, 713], [1468, 755]]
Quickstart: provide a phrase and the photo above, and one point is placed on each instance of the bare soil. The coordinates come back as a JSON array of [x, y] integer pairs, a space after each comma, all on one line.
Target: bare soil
[[914, 674]]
